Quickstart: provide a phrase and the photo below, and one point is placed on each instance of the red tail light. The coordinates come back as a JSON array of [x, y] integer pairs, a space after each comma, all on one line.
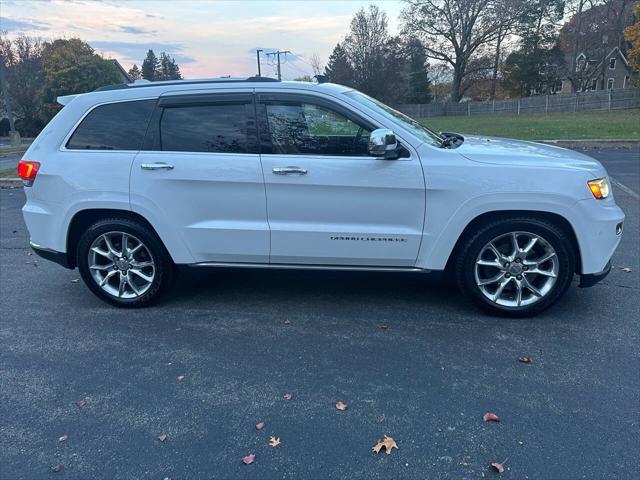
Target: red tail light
[[27, 171]]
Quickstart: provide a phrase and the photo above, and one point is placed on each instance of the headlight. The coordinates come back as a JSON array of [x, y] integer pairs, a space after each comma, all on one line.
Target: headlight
[[599, 187]]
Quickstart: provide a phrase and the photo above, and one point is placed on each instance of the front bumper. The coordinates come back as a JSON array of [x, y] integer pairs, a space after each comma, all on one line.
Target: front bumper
[[590, 279], [58, 257]]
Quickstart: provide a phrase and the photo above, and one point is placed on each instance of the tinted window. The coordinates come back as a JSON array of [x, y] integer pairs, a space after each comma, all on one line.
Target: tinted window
[[303, 128], [115, 126], [207, 128]]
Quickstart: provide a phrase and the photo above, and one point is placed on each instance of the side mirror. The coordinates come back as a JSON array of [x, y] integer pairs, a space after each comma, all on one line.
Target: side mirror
[[383, 143]]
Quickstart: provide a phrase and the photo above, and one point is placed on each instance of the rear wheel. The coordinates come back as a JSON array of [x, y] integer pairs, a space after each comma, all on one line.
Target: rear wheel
[[123, 262], [516, 267]]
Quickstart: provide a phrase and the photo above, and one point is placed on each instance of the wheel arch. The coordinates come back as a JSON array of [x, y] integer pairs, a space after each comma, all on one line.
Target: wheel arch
[[494, 215], [82, 219]]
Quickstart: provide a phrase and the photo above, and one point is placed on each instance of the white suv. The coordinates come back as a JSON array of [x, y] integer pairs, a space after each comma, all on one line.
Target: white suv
[[131, 181]]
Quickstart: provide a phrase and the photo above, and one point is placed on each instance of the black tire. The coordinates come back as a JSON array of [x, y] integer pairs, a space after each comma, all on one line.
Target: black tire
[[465, 262], [164, 269]]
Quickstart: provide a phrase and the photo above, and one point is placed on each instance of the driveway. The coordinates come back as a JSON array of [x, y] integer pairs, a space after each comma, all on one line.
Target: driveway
[[411, 359]]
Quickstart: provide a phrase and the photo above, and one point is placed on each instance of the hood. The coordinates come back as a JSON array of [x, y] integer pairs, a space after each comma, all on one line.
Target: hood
[[531, 154]]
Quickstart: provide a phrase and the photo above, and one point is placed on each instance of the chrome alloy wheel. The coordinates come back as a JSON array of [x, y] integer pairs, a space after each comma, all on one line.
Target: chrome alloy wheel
[[516, 269], [121, 265]]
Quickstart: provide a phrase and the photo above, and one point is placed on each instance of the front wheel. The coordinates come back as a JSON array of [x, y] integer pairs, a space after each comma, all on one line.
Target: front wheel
[[123, 262], [516, 267]]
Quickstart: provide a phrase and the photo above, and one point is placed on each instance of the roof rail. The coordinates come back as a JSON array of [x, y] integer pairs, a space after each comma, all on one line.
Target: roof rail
[[120, 86]]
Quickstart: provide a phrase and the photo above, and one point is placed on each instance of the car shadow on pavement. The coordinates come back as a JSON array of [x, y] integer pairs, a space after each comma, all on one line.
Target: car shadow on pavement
[[321, 289]]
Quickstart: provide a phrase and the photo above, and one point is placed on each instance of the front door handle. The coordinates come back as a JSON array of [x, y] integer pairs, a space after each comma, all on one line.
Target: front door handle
[[289, 171], [156, 166]]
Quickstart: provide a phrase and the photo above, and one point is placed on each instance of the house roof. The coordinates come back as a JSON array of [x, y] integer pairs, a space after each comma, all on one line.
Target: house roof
[[608, 55], [124, 73]]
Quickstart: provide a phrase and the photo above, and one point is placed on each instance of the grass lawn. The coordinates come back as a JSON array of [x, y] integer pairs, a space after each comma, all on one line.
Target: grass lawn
[[617, 124]]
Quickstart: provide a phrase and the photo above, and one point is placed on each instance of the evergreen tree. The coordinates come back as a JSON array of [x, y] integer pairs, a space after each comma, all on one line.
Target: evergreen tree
[[339, 69], [135, 73], [150, 66], [168, 69], [419, 84]]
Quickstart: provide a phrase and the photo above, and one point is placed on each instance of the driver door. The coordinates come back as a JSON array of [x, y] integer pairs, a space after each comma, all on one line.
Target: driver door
[[328, 201]]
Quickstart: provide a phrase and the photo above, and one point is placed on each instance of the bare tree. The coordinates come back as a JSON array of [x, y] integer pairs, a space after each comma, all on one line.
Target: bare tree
[[457, 31], [316, 64], [22, 60]]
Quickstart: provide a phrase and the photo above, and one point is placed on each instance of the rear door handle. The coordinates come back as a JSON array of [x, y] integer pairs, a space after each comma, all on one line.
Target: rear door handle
[[156, 166], [289, 171]]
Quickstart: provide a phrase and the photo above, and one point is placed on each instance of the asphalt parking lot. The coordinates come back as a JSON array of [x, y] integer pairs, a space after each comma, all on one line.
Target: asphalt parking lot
[[426, 379]]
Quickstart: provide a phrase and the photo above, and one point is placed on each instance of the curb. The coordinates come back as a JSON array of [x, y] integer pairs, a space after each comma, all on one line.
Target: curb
[[10, 182], [594, 143]]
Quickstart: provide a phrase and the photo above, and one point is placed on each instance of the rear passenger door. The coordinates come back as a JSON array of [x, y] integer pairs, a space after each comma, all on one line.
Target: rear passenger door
[[199, 180]]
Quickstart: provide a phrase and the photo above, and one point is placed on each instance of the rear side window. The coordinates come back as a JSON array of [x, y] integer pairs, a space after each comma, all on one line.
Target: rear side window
[[222, 128], [114, 126]]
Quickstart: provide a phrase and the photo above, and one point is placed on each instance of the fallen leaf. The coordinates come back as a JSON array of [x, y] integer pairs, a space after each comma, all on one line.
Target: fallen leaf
[[274, 442], [75, 280], [162, 437], [627, 270], [465, 465], [491, 417], [180, 378], [248, 460], [383, 327], [387, 442], [56, 468], [341, 406], [287, 322], [525, 360], [63, 438], [81, 403], [288, 396], [498, 466], [259, 426]]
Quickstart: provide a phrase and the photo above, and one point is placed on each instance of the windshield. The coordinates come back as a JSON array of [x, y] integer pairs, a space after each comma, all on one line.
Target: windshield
[[409, 123]]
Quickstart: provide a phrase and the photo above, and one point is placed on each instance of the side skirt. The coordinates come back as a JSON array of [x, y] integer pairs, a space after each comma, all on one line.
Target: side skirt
[[290, 266]]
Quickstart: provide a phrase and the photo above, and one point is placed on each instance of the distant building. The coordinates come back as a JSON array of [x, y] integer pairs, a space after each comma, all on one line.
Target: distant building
[[616, 73]]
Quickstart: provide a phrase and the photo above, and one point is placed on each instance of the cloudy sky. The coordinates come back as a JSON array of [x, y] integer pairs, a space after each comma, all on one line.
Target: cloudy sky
[[207, 38]]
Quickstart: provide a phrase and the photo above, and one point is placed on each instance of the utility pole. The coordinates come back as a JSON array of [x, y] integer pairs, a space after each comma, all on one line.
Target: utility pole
[[258, 58], [277, 54]]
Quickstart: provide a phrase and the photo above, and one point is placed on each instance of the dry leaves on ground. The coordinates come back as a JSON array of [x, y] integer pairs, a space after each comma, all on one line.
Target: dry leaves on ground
[[288, 396], [248, 460], [63, 438], [498, 466], [387, 442], [162, 437], [341, 406], [383, 327], [490, 417], [525, 360], [259, 426], [180, 378], [287, 322], [627, 270], [274, 441], [80, 403], [56, 468]]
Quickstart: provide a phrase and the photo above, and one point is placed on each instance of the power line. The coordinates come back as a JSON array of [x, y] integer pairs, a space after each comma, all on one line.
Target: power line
[[277, 55]]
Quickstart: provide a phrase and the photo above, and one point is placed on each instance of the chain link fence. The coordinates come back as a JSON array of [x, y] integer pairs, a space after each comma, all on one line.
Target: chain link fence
[[563, 102]]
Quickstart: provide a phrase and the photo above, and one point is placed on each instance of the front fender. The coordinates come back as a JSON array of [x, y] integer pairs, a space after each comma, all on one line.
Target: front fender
[[438, 242]]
